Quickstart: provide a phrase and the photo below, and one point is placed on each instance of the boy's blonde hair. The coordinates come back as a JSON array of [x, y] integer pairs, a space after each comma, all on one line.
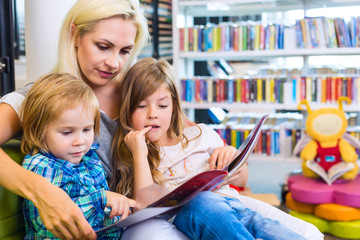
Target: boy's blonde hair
[[142, 80], [46, 100], [85, 15]]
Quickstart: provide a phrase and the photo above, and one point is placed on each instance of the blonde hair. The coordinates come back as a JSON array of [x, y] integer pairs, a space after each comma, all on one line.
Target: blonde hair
[[85, 15], [46, 100], [142, 80]]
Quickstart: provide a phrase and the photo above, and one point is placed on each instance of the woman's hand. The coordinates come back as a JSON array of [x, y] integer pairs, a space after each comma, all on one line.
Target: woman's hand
[[136, 142], [120, 205], [61, 215], [221, 157]]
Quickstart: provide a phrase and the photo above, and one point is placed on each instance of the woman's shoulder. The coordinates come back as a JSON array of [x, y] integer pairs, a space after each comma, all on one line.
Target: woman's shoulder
[[15, 99]]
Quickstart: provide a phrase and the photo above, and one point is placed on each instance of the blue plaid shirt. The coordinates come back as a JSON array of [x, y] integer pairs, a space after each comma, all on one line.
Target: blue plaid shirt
[[85, 183]]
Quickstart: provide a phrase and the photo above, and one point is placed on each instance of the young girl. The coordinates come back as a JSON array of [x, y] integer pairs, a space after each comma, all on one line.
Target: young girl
[[58, 137], [152, 145]]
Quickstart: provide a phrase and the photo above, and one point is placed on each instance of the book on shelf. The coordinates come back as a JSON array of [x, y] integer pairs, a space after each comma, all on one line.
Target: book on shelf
[[166, 206], [333, 173]]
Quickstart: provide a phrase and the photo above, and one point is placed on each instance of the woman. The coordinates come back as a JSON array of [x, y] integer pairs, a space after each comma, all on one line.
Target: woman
[[98, 41]]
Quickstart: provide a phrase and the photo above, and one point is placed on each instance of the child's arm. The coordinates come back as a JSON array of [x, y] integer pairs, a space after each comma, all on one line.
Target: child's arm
[[135, 141]]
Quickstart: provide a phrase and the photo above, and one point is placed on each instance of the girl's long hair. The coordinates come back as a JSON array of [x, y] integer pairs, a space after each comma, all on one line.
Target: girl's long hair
[[141, 81]]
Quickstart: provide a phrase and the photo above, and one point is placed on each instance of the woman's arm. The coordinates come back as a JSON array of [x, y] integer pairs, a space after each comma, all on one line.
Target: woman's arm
[[59, 213]]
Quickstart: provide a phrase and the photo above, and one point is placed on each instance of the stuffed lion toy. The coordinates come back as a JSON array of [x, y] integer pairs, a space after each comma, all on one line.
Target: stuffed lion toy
[[327, 147]]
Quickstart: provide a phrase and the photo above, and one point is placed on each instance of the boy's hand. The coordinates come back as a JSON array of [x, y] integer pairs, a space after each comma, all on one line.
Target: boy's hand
[[135, 141], [221, 157], [120, 205]]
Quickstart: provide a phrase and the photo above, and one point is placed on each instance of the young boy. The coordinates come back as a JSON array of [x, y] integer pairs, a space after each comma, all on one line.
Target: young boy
[[60, 117]]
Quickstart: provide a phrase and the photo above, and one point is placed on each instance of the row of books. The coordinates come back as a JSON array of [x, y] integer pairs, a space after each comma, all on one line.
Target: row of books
[[321, 32], [273, 141], [325, 89], [244, 90], [232, 37], [271, 89]]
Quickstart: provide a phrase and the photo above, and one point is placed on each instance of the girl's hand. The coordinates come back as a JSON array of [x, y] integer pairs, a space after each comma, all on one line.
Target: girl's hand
[[136, 142], [221, 157], [240, 177], [120, 205]]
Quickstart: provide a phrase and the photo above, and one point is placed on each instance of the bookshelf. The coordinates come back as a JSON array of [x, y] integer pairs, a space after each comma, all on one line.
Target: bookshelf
[[158, 14], [184, 13]]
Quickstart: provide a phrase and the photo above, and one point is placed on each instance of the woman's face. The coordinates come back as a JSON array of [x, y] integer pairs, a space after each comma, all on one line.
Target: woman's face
[[105, 50]]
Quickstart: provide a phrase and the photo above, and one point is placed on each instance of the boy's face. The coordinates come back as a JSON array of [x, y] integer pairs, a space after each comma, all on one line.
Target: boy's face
[[155, 111], [71, 135]]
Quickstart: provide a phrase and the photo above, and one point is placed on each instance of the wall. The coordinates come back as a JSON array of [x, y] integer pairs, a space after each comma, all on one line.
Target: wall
[[43, 19]]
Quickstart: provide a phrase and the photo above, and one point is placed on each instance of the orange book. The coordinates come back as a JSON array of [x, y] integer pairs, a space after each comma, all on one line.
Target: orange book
[[338, 87], [235, 37], [304, 33], [323, 90]]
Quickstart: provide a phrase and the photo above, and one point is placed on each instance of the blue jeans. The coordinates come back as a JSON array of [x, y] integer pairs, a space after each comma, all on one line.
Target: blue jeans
[[212, 216]]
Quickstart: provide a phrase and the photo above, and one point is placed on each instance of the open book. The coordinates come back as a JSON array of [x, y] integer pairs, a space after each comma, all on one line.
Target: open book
[[333, 173], [167, 206]]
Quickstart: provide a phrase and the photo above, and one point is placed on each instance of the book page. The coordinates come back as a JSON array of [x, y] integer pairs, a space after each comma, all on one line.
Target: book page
[[339, 169], [333, 173], [319, 170]]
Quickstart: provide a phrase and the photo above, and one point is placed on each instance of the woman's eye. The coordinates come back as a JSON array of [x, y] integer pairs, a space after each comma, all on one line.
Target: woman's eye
[[125, 51], [102, 47], [65, 133], [141, 106], [163, 106]]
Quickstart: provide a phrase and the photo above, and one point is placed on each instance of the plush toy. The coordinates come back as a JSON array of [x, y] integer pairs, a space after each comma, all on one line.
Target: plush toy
[[327, 146]]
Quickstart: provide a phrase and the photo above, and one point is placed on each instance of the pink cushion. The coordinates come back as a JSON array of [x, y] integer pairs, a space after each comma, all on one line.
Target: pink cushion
[[315, 191]]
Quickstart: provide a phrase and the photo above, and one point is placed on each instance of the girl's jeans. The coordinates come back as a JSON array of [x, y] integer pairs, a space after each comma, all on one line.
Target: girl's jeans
[[212, 216]]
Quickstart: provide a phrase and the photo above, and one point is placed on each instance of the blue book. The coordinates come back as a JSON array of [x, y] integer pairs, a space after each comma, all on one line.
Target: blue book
[[230, 90], [294, 89]]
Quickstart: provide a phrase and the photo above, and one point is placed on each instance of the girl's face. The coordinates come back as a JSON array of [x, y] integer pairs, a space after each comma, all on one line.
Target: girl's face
[[104, 51], [155, 111], [70, 136]]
